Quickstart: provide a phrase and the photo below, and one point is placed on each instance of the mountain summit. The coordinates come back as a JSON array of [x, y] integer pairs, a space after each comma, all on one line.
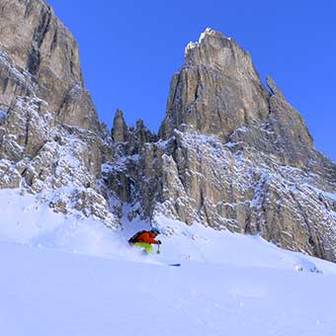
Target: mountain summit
[[218, 91], [231, 153]]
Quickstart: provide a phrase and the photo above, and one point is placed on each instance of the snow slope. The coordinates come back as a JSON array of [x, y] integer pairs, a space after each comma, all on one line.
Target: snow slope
[[72, 276]]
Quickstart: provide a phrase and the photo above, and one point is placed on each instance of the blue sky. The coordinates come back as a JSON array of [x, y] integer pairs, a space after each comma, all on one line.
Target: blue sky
[[130, 49]]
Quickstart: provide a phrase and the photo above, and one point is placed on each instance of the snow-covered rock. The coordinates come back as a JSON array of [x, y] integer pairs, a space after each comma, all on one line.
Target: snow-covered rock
[[51, 142], [231, 153]]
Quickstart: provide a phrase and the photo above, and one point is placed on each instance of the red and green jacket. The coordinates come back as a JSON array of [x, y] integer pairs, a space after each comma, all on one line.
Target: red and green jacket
[[144, 237]]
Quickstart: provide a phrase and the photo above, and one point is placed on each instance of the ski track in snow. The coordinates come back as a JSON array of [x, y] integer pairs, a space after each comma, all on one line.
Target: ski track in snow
[[73, 276]]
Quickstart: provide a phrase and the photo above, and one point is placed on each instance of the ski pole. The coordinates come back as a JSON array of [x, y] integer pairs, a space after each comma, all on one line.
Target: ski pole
[[158, 249]]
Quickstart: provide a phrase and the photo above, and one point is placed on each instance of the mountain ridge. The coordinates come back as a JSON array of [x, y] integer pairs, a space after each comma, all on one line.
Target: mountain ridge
[[214, 124], [231, 153]]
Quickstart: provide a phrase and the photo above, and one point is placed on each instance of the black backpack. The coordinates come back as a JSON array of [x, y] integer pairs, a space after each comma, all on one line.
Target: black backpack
[[135, 237]]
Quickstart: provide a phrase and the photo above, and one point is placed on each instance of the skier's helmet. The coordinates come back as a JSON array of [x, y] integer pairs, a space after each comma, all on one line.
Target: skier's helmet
[[155, 231]]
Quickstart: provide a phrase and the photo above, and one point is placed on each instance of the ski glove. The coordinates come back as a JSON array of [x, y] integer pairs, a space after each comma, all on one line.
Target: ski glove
[[159, 242]]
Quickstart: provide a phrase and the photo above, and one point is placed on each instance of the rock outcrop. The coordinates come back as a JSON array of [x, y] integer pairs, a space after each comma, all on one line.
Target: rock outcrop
[[39, 57], [232, 154], [217, 90], [120, 132], [51, 141]]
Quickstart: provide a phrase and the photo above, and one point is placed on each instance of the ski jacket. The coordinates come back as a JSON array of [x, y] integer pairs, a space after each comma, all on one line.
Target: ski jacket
[[144, 237]]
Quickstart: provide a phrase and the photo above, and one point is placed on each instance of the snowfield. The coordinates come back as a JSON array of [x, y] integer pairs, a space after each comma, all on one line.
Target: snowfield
[[65, 276]]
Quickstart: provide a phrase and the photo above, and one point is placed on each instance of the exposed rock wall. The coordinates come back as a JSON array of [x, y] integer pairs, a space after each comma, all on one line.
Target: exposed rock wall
[[217, 90], [231, 154], [51, 142], [39, 56]]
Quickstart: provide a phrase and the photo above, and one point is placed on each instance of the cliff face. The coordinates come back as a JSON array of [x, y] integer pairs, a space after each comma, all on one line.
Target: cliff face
[[39, 56], [233, 154], [51, 143], [217, 90], [230, 154]]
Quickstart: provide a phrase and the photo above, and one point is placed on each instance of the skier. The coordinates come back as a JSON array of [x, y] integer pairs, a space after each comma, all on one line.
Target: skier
[[145, 239]]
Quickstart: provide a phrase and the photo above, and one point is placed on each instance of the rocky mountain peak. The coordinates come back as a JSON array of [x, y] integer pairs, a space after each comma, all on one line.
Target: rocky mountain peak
[[51, 142], [231, 153], [235, 154], [218, 92], [217, 89], [213, 49], [219, 52], [39, 57], [208, 33], [120, 132]]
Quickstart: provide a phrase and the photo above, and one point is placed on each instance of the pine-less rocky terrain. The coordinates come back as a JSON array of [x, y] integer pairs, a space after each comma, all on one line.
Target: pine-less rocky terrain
[[231, 152], [51, 142]]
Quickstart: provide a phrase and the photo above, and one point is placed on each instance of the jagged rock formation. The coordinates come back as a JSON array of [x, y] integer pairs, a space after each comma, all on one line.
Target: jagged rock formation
[[51, 143], [120, 131], [38, 56], [231, 154], [217, 90]]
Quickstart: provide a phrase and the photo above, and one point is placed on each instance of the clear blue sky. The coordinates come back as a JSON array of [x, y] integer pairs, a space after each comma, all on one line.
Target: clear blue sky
[[130, 49]]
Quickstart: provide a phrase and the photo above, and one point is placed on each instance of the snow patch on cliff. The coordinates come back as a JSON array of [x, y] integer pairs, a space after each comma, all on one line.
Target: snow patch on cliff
[[207, 32]]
